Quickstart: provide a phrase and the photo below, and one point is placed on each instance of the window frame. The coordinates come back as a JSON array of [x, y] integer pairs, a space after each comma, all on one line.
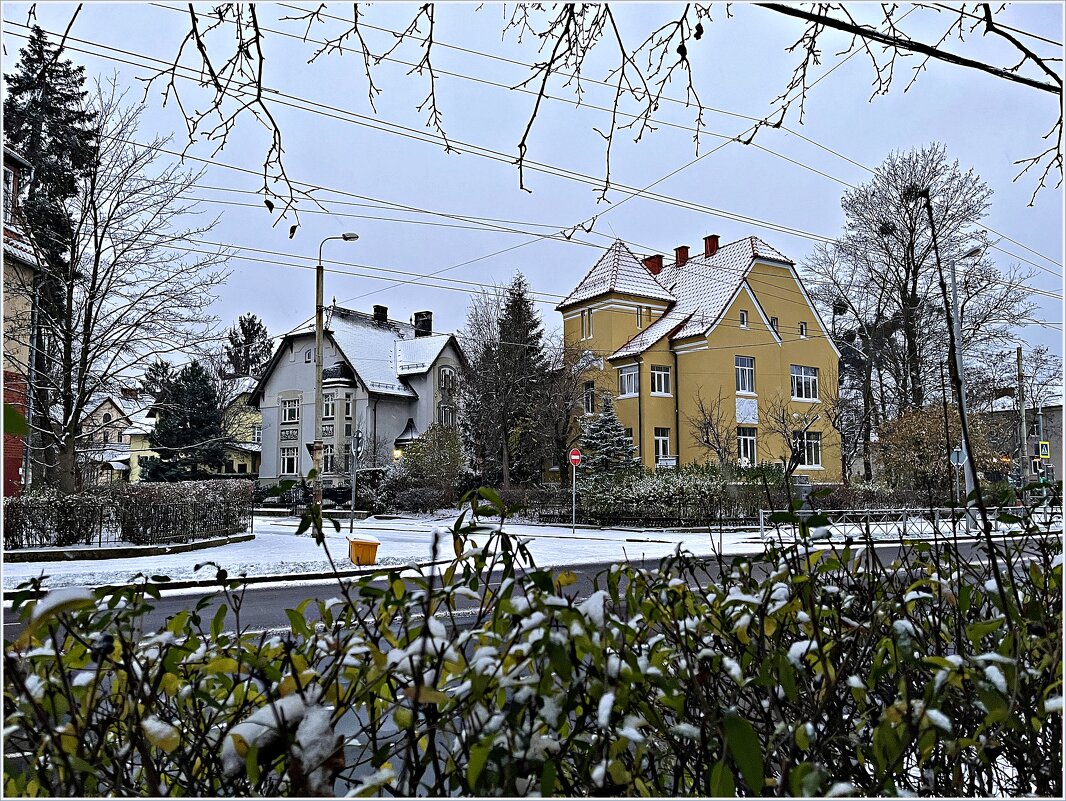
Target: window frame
[[660, 377], [349, 400], [9, 193], [658, 439], [285, 454], [590, 397], [446, 414], [329, 405], [257, 432], [309, 356], [624, 375], [811, 450], [748, 445], [287, 405], [803, 330], [747, 371], [744, 318], [773, 324], [803, 380], [329, 458]]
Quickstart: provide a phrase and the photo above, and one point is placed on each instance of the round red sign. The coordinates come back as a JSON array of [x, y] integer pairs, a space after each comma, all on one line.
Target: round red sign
[[575, 457]]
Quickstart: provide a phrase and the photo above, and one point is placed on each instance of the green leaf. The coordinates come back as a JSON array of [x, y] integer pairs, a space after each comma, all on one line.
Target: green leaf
[[217, 621], [297, 622], [744, 745], [723, 784], [478, 756]]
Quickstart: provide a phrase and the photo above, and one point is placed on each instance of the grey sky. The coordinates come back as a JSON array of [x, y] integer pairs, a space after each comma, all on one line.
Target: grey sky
[[740, 66]]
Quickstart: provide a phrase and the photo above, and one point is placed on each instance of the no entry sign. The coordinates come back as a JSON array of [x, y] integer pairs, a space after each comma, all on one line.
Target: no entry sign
[[575, 457]]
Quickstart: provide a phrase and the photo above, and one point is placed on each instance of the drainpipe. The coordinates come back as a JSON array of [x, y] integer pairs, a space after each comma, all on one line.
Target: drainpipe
[[677, 407], [375, 422], [640, 409]]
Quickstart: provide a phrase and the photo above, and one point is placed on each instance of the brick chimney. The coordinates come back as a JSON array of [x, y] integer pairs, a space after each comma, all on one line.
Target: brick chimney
[[681, 255], [710, 245], [381, 314], [423, 324], [654, 264]]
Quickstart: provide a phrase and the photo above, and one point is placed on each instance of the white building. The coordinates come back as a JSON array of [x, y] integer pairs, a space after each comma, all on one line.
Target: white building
[[386, 379]]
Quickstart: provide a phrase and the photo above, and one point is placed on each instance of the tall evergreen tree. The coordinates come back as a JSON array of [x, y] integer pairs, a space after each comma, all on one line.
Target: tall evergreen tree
[[159, 375], [505, 389], [605, 445], [47, 120], [189, 432], [248, 345]]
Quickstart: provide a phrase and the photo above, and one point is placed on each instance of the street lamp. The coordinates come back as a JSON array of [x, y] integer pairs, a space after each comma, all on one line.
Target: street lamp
[[316, 448], [956, 323]]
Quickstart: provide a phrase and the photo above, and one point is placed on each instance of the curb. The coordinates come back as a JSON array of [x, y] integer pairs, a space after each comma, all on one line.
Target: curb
[[128, 552]]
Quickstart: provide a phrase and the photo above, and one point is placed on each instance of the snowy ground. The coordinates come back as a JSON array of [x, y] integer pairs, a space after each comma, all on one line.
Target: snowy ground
[[277, 550]]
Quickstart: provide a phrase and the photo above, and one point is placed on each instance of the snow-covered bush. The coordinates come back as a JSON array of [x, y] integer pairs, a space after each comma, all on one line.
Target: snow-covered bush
[[45, 517], [803, 673]]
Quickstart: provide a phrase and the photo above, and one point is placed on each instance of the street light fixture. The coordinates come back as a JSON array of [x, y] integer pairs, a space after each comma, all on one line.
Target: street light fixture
[[316, 448], [956, 322]]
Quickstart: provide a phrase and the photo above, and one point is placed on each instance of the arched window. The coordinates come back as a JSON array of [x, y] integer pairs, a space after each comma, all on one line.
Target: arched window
[[107, 417], [309, 355], [447, 379], [446, 408]]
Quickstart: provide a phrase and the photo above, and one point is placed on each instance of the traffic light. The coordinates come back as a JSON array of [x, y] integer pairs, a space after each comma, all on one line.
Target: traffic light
[[357, 443], [1038, 469]]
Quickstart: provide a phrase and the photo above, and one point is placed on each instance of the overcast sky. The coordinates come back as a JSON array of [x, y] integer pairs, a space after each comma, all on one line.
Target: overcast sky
[[740, 66]]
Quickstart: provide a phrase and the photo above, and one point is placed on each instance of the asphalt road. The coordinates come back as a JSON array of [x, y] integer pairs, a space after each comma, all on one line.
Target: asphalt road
[[264, 604]]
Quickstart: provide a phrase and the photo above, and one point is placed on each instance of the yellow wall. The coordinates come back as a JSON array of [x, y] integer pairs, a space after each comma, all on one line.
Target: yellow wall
[[139, 449], [17, 281], [710, 370]]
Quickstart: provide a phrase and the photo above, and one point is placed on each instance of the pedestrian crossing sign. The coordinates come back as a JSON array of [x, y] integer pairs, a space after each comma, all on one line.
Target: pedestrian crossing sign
[[1045, 450]]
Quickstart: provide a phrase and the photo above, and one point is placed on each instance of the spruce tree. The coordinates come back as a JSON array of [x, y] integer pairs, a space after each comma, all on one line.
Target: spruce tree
[[189, 433], [248, 345], [606, 447]]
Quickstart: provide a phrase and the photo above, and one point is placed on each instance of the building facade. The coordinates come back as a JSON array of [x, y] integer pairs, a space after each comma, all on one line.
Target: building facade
[[724, 347], [19, 291], [382, 379]]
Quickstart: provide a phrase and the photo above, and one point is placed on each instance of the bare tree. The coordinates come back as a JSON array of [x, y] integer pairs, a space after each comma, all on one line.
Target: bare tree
[[789, 427], [569, 367], [224, 54], [849, 417], [131, 295], [714, 426]]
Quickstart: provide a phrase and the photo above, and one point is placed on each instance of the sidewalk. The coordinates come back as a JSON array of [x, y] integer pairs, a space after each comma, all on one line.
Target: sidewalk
[[277, 551]]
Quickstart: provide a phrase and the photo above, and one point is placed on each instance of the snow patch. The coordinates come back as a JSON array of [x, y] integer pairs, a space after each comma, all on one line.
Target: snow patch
[[939, 719], [316, 741], [57, 598], [593, 607], [603, 714], [996, 679]]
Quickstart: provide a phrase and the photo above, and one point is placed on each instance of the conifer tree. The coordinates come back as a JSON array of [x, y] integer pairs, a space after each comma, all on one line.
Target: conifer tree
[[607, 448], [248, 345], [189, 433]]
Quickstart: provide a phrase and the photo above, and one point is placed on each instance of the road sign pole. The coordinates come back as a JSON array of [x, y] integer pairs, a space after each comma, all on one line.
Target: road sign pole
[[573, 499]]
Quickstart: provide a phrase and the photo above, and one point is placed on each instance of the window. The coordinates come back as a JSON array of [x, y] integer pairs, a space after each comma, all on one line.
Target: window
[[773, 324], [309, 355], [257, 433], [628, 381], [662, 442], [746, 446], [446, 415], [107, 417], [590, 397], [743, 319], [290, 411], [328, 405], [107, 436], [804, 383], [288, 461], [347, 429], [586, 324], [629, 433], [348, 405], [229, 466], [9, 193], [446, 378], [242, 467], [745, 374], [660, 380], [808, 447], [803, 330], [328, 458]]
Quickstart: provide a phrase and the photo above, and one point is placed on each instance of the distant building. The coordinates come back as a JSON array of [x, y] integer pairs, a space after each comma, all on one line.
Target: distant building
[[733, 326], [1003, 433], [21, 268], [385, 379]]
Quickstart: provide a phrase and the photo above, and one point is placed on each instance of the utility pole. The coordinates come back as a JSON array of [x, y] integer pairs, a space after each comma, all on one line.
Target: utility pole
[[1023, 432]]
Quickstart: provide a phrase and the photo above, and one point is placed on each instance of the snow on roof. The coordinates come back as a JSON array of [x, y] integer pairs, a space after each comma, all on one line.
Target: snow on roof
[[618, 270], [415, 356], [20, 251], [241, 384], [703, 286], [369, 347], [140, 423]]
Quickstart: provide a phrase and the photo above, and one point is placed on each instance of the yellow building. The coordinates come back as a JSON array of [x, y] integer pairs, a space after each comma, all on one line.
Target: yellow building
[[717, 357]]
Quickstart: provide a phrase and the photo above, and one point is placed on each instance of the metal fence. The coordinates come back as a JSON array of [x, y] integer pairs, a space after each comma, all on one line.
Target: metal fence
[[42, 524], [883, 524]]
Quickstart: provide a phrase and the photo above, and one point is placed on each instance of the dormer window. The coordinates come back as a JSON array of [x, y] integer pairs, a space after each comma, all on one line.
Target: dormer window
[[803, 330], [743, 318]]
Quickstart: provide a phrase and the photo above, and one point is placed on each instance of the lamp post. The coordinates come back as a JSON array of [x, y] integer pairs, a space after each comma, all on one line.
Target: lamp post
[[316, 448], [956, 323]]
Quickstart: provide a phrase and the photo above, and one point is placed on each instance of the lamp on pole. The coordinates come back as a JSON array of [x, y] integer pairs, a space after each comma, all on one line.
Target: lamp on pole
[[956, 323], [316, 448]]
